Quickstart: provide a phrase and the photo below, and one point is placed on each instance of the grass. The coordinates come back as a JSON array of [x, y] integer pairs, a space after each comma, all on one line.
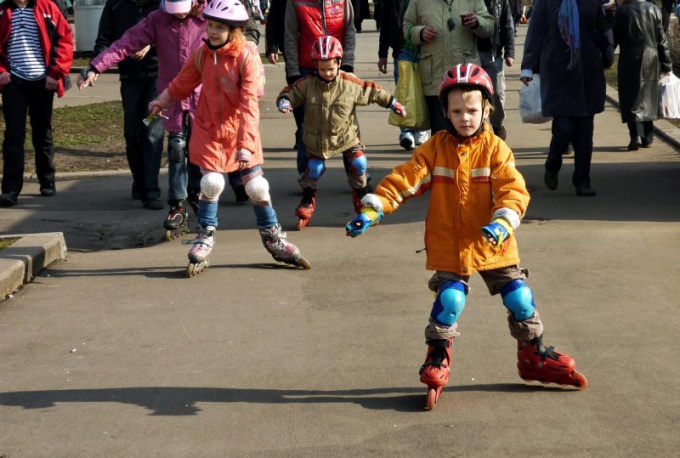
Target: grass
[[6, 242]]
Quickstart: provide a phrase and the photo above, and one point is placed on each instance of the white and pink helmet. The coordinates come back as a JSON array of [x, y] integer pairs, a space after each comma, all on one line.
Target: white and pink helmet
[[230, 12], [177, 6]]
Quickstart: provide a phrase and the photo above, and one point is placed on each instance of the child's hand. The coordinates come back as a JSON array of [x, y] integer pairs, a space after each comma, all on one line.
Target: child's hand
[[243, 156], [497, 232], [398, 108], [285, 106], [86, 78], [163, 101], [366, 219]]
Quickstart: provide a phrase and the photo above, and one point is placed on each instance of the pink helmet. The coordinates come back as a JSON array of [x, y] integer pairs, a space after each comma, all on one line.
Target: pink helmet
[[177, 6], [230, 12], [326, 48]]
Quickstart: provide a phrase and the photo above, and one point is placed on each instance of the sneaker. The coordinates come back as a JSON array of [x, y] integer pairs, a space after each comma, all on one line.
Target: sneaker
[[421, 137], [48, 189], [8, 199], [585, 191], [407, 141]]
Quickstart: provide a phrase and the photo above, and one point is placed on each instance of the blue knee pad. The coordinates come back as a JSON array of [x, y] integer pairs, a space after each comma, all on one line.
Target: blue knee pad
[[315, 168], [518, 298], [449, 303], [359, 164]]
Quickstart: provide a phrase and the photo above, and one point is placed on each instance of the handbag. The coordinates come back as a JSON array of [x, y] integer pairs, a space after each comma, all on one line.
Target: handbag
[[530, 108], [409, 93], [669, 97]]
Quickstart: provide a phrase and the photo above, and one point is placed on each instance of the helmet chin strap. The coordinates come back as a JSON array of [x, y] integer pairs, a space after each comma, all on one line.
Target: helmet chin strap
[[214, 48], [455, 133]]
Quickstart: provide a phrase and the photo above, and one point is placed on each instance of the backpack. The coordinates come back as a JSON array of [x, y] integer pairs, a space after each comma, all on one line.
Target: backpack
[[250, 48]]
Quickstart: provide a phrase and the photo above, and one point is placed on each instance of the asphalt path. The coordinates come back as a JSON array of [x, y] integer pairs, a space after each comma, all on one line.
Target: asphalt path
[[113, 352]]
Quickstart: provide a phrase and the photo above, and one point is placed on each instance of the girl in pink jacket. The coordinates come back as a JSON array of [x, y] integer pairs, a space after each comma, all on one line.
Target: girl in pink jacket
[[225, 135]]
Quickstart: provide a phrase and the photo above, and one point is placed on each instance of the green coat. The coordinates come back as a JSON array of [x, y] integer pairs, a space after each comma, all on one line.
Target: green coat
[[330, 126], [451, 47]]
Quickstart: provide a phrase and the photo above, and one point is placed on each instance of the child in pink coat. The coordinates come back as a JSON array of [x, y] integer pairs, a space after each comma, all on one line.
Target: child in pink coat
[[225, 136]]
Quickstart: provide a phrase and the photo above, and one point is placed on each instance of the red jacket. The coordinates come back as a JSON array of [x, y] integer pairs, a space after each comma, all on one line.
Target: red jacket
[[56, 39]]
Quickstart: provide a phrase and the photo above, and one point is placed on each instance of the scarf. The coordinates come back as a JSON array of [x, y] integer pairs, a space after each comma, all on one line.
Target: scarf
[[568, 23]]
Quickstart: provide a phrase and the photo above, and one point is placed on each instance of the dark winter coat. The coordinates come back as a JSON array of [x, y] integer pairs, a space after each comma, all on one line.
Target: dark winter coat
[[391, 33], [501, 42], [117, 17], [643, 56], [576, 92], [274, 30]]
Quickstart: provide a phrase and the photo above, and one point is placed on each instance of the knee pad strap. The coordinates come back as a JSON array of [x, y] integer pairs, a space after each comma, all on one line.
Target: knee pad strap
[[212, 185], [519, 300], [315, 168], [449, 303]]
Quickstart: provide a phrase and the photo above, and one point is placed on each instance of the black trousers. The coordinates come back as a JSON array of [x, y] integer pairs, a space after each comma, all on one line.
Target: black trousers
[[19, 99]]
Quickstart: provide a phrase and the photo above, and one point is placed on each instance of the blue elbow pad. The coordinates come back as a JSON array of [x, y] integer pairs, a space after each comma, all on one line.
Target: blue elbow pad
[[518, 298], [449, 303], [315, 168]]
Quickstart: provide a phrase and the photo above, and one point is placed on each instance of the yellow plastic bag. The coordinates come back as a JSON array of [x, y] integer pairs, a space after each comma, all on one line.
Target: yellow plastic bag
[[409, 93]]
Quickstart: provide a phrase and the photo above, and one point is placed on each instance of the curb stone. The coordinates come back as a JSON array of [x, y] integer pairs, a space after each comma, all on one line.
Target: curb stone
[[22, 261]]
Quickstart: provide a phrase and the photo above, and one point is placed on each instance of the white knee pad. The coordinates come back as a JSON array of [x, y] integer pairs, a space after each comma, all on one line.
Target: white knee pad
[[258, 189], [212, 185]]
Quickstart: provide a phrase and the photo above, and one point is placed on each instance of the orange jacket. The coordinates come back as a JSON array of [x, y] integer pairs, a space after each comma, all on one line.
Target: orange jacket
[[227, 115], [470, 183]]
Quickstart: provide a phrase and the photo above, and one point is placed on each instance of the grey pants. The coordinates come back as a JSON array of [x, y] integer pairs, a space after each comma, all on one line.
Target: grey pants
[[495, 280]]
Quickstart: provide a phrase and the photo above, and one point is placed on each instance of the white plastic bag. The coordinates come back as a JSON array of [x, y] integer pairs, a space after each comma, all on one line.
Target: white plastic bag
[[530, 102], [669, 97]]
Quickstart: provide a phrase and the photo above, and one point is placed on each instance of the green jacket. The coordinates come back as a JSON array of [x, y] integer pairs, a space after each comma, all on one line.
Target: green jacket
[[330, 125], [451, 47]]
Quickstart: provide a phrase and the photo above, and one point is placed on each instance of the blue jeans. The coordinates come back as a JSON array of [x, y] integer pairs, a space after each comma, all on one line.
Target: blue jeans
[[577, 130], [184, 178], [299, 114], [265, 215], [143, 144]]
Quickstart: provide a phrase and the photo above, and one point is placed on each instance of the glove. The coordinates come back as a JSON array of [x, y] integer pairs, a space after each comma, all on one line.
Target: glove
[[398, 108], [347, 68], [243, 155], [366, 219], [498, 231], [284, 106], [292, 79]]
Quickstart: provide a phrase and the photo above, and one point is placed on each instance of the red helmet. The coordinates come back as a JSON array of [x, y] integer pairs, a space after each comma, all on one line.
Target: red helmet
[[462, 75], [326, 48]]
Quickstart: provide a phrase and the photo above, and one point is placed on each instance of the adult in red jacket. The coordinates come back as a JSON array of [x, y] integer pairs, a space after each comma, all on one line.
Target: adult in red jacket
[[35, 59]]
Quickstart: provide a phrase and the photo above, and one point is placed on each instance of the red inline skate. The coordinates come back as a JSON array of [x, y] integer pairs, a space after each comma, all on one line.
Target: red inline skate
[[305, 209], [437, 369], [536, 362]]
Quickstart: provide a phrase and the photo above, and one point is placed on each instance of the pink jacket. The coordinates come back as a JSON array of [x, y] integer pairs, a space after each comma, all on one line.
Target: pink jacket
[[228, 116], [174, 39]]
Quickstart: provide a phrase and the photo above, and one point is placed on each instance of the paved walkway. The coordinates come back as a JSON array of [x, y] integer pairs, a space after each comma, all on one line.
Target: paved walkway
[[113, 353]]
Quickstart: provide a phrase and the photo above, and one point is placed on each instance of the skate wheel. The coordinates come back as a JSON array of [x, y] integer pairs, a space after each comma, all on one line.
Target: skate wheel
[[580, 380], [302, 262], [432, 397], [168, 235], [301, 224], [191, 270], [195, 268]]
